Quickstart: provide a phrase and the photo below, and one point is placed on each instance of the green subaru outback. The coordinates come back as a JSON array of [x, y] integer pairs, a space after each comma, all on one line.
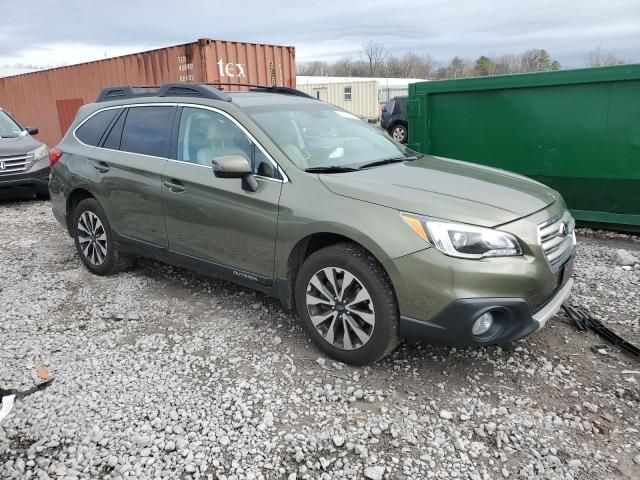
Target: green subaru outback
[[367, 240]]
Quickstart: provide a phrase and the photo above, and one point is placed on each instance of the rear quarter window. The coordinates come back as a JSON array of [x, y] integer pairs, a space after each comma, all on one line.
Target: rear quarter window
[[91, 131], [112, 140], [147, 130]]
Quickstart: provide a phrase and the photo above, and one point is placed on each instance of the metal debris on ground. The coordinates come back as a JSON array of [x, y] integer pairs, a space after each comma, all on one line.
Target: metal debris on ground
[[584, 321], [7, 397]]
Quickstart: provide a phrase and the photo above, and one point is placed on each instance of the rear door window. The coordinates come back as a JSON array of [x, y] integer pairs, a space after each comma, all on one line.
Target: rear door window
[[91, 131], [147, 130]]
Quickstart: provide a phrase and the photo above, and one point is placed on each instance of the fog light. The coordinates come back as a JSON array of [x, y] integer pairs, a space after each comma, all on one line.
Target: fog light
[[482, 324]]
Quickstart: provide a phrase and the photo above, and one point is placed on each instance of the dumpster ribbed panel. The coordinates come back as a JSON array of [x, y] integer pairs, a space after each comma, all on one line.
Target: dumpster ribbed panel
[[49, 99], [577, 131]]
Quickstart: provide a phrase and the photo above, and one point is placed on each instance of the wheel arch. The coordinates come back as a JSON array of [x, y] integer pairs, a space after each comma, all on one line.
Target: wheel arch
[[73, 199], [313, 242]]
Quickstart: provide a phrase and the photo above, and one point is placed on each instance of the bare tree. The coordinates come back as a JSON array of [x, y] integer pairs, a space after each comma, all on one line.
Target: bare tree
[[374, 55], [535, 60], [344, 68], [504, 64], [376, 62], [314, 69], [596, 58], [393, 67], [428, 67]]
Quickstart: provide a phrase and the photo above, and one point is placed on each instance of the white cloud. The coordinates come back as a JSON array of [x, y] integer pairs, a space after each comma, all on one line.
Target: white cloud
[[86, 29]]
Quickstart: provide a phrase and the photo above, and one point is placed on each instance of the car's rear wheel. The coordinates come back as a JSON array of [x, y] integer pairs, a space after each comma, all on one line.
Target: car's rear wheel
[[94, 239], [399, 133], [346, 304]]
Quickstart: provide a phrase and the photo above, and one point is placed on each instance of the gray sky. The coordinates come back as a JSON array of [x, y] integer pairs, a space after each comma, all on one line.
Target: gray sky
[[53, 32]]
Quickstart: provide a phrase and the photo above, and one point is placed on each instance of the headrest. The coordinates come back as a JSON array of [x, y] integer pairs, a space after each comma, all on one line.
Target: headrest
[[222, 131]]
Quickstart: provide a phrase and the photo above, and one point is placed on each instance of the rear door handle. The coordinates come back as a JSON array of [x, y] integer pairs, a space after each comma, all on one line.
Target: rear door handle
[[174, 186], [101, 167]]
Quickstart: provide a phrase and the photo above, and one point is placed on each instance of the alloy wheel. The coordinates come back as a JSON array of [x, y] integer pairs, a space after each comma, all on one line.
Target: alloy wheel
[[92, 238], [399, 133], [340, 308]]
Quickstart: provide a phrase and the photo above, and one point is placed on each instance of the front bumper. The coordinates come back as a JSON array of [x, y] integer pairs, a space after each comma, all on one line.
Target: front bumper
[[513, 320], [440, 297], [554, 305], [34, 179]]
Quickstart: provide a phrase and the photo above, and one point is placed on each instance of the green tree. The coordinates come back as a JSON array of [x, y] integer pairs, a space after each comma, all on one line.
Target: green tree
[[484, 66]]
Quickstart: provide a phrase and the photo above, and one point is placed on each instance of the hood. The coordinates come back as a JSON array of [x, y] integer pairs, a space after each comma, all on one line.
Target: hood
[[17, 146], [446, 189]]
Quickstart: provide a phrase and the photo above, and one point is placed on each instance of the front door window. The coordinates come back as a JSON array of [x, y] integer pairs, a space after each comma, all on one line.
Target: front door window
[[205, 135]]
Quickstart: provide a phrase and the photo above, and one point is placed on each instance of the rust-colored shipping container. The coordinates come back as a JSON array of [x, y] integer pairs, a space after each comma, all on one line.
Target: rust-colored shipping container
[[49, 99]]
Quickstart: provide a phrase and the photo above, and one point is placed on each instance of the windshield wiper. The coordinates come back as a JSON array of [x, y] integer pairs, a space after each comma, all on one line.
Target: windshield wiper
[[330, 169], [387, 161]]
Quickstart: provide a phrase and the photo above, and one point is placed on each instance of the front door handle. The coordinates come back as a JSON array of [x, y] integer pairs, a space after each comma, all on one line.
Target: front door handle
[[101, 167], [174, 186]]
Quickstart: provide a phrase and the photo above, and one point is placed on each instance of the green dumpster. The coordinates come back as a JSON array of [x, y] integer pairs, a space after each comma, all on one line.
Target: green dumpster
[[577, 131]]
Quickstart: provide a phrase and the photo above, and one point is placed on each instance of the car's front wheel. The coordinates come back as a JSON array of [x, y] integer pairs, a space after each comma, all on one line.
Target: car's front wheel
[[399, 133], [94, 239], [346, 304]]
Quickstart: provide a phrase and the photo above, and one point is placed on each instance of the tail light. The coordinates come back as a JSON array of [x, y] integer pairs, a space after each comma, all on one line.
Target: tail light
[[54, 156]]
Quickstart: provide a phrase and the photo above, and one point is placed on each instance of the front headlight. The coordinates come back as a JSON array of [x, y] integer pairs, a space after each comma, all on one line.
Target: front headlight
[[461, 240], [39, 153]]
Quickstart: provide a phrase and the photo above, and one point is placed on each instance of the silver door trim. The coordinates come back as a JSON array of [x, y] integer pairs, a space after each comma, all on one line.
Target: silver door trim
[[285, 179]]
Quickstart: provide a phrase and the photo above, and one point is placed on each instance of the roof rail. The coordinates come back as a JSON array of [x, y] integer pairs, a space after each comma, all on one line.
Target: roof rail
[[265, 88], [165, 90]]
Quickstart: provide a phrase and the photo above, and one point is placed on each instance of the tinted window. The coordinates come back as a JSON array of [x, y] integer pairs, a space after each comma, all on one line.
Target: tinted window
[[147, 130], [115, 134], [92, 130], [205, 135]]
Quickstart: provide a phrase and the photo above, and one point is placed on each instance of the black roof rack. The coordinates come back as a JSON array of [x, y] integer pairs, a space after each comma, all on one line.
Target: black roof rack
[[264, 88], [165, 90]]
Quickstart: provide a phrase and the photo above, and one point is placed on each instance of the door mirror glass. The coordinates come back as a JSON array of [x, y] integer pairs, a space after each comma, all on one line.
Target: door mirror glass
[[32, 130], [231, 166]]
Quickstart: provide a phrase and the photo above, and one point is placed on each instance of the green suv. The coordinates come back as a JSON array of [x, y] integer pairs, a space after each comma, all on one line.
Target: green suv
[[367, 240]]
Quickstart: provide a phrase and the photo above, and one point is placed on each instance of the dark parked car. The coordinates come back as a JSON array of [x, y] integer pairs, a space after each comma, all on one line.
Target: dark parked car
[[299, 199], [24, 160], [394, 119]]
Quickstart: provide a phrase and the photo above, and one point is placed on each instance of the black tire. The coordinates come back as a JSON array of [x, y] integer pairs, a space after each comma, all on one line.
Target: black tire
[[113, 261], [384, 337], [399, 132]]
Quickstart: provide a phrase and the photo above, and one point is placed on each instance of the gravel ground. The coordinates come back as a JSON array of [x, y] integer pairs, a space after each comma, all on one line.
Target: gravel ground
[[161, 373]]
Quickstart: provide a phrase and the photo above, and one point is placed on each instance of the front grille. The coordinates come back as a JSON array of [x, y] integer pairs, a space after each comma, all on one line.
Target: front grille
[[11, 165], [557, 239]]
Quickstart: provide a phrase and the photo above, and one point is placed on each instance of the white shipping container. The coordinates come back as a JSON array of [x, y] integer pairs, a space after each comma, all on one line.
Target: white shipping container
[[359, 98]]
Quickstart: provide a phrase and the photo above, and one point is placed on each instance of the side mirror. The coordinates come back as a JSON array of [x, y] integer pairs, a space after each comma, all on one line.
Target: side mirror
[[235, 166], [32, 130]]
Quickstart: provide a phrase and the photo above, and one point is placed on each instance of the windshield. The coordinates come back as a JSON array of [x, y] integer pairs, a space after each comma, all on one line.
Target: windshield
[[315, 135], [8, 127]]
